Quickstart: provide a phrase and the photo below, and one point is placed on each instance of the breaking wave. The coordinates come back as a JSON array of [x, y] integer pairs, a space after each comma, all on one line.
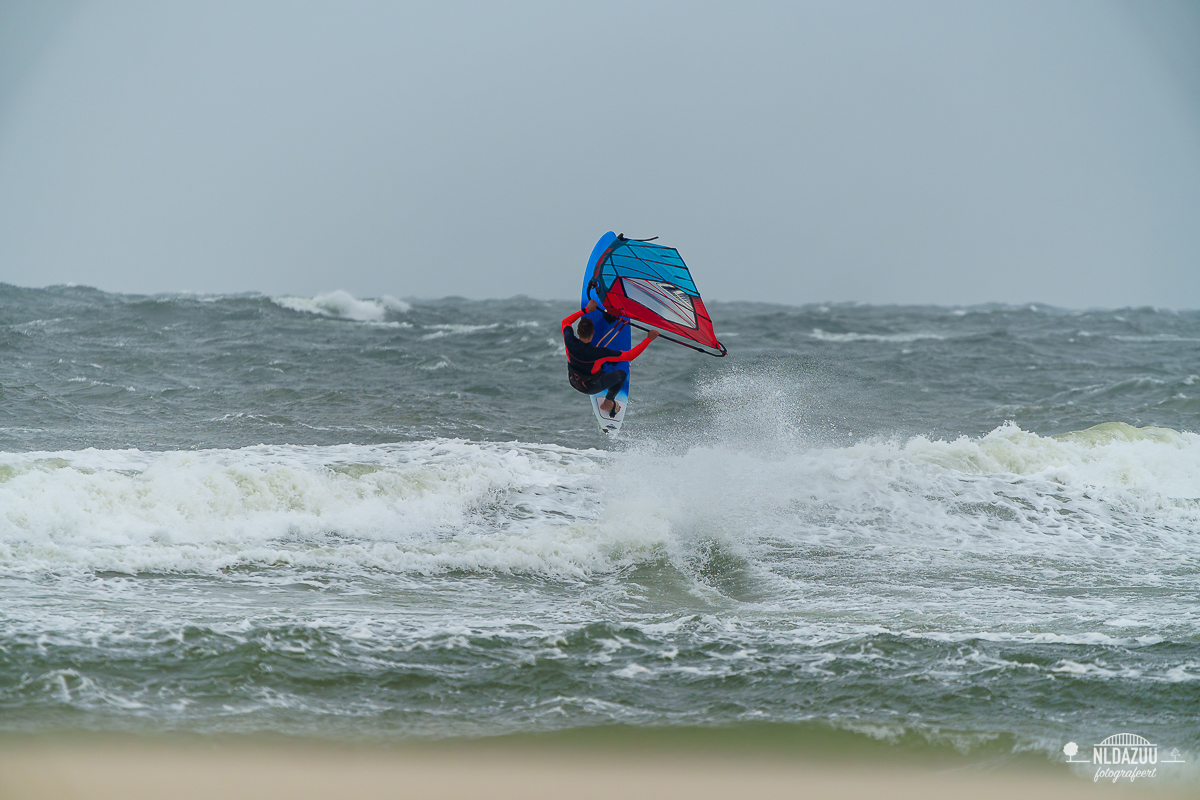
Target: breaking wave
[[825, 336], [344, 305], [1125, 496]]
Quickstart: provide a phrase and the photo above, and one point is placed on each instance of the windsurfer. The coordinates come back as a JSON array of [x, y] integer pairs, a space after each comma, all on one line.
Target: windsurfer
[[585, 360]]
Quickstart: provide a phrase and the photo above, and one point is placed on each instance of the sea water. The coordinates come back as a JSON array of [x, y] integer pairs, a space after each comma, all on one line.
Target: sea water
[[384, 519]]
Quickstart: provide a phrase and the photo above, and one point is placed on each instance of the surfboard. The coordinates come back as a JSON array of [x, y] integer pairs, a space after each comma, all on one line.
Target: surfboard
[[613, 332]]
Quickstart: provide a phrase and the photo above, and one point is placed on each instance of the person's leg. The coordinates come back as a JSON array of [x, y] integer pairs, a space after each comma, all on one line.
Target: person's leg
[[613, 381], [578, 382], [592, 384]]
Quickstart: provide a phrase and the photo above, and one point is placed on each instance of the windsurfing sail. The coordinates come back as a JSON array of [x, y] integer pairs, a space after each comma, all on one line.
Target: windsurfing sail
[[651, 286]]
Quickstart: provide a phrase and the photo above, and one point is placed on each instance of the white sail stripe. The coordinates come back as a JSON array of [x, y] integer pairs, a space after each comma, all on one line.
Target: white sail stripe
[[656, 305], [655, 296]]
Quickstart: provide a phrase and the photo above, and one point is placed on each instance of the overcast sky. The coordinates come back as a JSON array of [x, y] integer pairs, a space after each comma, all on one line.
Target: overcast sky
[[919, 152]]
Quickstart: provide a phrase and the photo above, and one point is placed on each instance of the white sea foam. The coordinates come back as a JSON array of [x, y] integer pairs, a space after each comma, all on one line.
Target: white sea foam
[[824, 336], [461, 329], [344, 305], [421, 508], [1156, 337], [953, 536], [38, 325], [959, 536]]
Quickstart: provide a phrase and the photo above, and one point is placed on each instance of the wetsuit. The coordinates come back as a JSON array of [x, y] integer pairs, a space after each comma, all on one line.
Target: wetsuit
[[584, 362]]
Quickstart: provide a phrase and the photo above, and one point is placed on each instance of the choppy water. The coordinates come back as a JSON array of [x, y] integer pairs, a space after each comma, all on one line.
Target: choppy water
[[353, 518]]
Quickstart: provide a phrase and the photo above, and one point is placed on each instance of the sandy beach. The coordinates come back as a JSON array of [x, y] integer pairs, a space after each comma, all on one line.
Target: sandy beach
[[134, 769]]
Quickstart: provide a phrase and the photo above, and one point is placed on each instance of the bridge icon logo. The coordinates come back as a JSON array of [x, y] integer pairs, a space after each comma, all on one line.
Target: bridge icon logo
[[1125, 748]]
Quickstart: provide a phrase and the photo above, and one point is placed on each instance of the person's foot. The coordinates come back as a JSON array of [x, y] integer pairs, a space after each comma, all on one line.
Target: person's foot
[[610, 407]]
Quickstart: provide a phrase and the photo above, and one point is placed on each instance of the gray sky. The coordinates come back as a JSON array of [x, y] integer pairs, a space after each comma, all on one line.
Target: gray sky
[[920, 152]]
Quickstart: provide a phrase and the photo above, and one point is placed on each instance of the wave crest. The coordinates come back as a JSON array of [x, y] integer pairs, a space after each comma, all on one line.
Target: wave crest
[[344, 305], [444, 505]]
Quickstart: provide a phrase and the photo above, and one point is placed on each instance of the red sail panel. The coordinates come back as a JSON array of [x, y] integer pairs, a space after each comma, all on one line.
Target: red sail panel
[[676, 315]]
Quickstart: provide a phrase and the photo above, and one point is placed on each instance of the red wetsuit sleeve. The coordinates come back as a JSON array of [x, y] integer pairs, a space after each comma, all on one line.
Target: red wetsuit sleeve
[[627, 355], [571, 319]]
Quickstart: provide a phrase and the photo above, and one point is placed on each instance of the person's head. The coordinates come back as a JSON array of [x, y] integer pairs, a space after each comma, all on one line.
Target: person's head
[[585, 329]]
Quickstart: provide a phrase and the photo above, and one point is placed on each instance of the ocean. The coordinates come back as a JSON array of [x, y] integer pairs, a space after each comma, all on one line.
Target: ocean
[[383, 520]]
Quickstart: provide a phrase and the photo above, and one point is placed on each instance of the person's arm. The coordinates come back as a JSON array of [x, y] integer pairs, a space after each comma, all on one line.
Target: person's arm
[[569, 321], [627, 355], [591, 306]]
